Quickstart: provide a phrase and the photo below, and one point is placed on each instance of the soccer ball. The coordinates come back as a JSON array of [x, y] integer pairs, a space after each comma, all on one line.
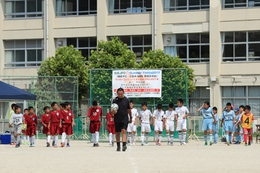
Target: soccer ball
[[114, 107]]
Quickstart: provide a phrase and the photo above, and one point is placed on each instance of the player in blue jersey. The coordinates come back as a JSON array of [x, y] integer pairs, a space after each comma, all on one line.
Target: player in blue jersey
[[215, 126], [208, 118], [229, 118]]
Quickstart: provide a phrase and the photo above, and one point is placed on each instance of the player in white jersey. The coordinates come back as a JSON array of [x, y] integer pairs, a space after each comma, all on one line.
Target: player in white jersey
[[159, 121], [181, 114], [16, 121], [170, 116], [145, 116], [131, 129]]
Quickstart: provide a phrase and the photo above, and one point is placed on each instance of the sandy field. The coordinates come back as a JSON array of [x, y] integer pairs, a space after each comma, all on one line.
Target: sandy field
[[81, 157]]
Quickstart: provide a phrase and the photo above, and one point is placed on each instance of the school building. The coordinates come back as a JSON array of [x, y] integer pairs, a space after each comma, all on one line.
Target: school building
[[219, 39]]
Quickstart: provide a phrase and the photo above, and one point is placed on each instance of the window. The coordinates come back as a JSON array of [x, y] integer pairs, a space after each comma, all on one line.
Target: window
[[76, 7], [240, 3], [190, 48], [23, 53], [197, 97], [242, 95], [85, 45], [129, 6], [138, 44], [241, 46], [23, 8], [177, 5]]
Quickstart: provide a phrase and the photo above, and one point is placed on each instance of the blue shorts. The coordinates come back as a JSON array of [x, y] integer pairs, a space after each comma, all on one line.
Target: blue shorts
[[229, 126], [207, 124], [237, 130], [215, 128]]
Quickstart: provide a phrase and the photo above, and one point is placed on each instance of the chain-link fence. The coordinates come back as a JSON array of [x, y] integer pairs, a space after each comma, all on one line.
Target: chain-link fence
[[48, 89]]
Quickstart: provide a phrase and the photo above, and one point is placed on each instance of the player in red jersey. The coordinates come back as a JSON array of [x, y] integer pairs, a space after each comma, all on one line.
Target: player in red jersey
[[55, 123], [31, 122], [45, 120], [111, 127], [25, 136], [95, 115], [67, 122]]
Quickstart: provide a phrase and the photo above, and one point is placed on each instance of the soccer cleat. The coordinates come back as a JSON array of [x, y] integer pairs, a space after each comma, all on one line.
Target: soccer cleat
[[97, 145], [210, 143], [146, 143], [68, 145], [171, 143], [62, 144], [16, 146], [112, 144], [249, 143], [228, 143], [53, 143], [142, 144], [159, 144], [168, 143], [118, 149], [184, 143], [124, 148], [33, 145], [13, 143], [55, 146], [206, 144], [48, 144], [94, 145], [180, 144]]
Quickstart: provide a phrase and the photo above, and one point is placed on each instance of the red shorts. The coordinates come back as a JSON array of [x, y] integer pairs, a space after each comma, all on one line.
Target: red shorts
[[94, 126], [31, 131], [111, 129], [55, 129], [67, 128], [46, 130]]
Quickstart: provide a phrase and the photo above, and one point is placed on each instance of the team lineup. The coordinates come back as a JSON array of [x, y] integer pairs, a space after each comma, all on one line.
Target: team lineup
[[122, 119]]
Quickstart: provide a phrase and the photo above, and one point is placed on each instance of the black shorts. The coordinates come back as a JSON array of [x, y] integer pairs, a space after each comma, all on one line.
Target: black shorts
[[120, 126]]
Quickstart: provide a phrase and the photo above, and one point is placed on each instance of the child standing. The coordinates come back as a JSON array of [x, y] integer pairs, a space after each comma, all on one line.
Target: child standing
[[229, 118], [170, 115], [131, 129], [159, 121], [145, 116], [55, 123], [9, 118], [247, 125], [16, 121], [25, 136], [111, 128], [215, 126], [31, 122], [45, 120], [95, 115], [67, 123], [181, 114]]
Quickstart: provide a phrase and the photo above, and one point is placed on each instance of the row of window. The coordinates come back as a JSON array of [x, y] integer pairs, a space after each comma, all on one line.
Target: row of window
[[237, 95], [34, 8], [190, 48]]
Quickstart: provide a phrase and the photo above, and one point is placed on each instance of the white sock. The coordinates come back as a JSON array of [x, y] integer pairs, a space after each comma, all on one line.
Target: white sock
[[171, 138], [168, 136], [184, 136], [129, 137], [18, 139], [63, 137], [97, 137], [48, 138], [33, 139], [142, 138], [56, 139], [110, 138], [24, 138], [133, 137], [94, 138], [28, 138], [160, 138], [147, 136], [114, 137], [68, 139], [156, 136]]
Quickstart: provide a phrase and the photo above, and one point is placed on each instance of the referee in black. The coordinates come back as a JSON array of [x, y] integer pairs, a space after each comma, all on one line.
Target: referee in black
[[121, 117]]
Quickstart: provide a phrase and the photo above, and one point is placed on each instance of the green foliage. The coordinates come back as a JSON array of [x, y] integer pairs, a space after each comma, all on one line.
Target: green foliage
[[115, 55], [67, 62], [112, 54]]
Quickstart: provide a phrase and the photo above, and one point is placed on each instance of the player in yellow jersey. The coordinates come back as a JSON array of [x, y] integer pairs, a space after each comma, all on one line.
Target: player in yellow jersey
[[247, 119]]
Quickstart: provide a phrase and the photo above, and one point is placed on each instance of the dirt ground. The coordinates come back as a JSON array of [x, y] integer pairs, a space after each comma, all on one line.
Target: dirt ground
[[81, 157]]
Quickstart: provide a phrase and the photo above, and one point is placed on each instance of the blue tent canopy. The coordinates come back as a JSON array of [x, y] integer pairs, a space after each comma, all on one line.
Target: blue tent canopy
[[9, 92]]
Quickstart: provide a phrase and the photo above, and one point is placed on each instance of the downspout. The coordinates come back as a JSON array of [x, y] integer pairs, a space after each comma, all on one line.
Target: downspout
[[155, 23], [47, 28]]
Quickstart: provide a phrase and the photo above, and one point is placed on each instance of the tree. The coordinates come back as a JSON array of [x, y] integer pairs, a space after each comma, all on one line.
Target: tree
[[67, 62], [113, 54]]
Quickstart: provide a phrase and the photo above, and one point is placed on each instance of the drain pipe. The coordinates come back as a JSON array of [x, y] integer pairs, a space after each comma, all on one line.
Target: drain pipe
[[155, 24], [47, 28]]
